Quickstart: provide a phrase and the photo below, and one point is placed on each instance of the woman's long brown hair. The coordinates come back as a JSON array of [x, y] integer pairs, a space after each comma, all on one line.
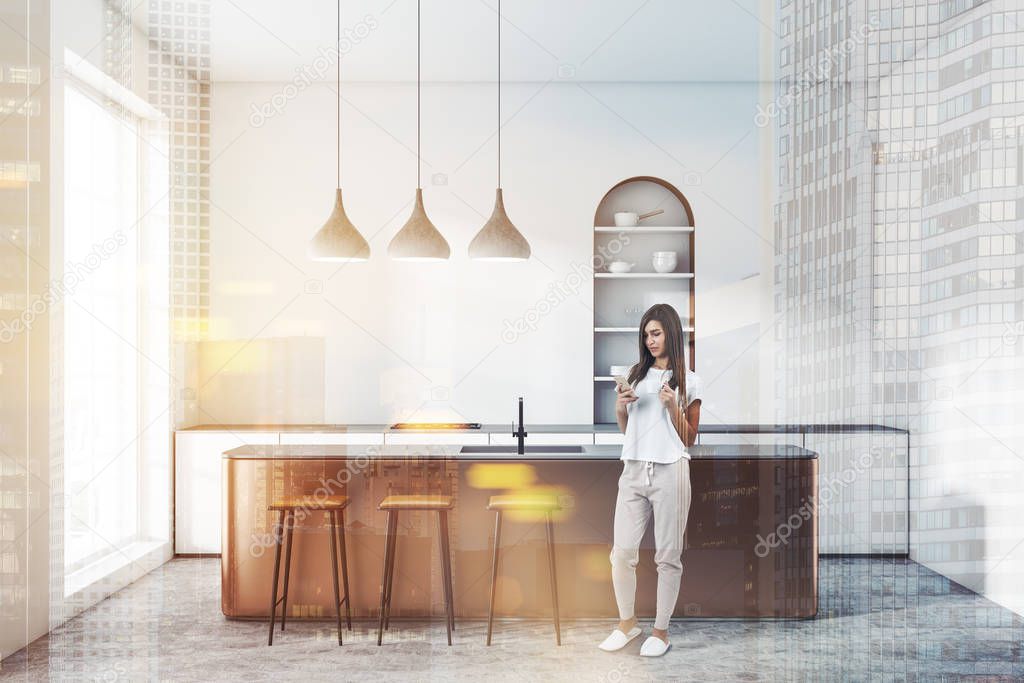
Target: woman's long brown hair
[[673, 330]]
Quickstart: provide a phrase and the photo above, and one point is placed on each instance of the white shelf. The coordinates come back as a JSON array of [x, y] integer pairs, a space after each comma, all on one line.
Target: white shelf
[[640, 276], [654, 230], [629, 329], [672, 231]]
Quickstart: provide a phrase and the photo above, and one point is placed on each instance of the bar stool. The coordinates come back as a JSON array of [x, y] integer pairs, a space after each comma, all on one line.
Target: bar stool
[[426, 502], [334, 510], [526, 502]]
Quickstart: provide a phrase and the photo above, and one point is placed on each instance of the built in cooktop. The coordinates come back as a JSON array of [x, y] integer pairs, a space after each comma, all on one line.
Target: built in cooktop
[[436, 425]]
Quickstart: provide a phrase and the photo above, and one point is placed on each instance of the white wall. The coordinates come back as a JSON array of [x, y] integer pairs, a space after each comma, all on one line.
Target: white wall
[[423, 341]]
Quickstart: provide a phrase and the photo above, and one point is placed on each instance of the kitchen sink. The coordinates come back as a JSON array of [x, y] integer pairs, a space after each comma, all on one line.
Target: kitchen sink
[[529, 449]]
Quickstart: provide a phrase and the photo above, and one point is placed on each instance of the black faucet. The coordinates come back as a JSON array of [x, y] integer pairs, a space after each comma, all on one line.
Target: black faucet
[[520, 433]]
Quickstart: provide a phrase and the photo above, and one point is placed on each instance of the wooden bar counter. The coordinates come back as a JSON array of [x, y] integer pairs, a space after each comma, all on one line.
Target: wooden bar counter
[[751, 538]]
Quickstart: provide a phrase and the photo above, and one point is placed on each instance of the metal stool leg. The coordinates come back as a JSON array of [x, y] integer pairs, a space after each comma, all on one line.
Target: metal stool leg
[[446, 573], [448, 564], [278, 526], [494, 574], [391, 571], [290, 529], [344, 568], [384, 579], [554, 577], [334, 568], [448, 560]]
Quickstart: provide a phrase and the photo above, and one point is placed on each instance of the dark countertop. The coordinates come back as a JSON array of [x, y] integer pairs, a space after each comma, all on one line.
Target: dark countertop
[[600, 428], [376, 428], [611, 452], [809, 428]]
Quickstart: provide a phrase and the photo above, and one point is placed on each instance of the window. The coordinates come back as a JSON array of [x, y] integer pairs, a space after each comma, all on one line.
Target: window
[[100, 330], [114, 328]]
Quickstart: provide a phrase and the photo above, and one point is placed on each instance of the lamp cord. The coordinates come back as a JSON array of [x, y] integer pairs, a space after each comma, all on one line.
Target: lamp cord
[[418, 164], [337, 46], [499, 94]]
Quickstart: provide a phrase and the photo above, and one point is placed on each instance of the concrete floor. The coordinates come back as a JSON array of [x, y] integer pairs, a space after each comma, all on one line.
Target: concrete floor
[[878, 620]]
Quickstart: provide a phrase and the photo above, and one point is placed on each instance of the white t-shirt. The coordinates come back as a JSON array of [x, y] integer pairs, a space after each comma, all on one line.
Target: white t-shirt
[[650, 435]]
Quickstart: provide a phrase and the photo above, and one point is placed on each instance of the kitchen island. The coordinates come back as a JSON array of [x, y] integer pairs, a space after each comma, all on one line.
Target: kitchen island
[[751, 539]]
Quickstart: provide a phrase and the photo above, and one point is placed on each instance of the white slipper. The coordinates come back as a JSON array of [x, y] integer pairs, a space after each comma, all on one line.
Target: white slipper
[[618, 640], [654, 647]]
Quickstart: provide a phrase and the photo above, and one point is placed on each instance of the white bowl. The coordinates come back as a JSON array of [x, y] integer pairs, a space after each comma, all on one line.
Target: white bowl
[[622, 370], [664, 264], [620, 267]]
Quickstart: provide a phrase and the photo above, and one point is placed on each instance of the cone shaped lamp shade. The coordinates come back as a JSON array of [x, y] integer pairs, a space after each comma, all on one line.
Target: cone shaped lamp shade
[[419, 240], [499, 240], [338, 240]]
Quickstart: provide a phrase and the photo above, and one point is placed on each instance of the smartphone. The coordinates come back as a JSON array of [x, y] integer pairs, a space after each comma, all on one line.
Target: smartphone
[[622, 383]]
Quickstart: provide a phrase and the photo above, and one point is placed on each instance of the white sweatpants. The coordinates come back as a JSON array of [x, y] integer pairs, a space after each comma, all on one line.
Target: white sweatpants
[[646, 487]]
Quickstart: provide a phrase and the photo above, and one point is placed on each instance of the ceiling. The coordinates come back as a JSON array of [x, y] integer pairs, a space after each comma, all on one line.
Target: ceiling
[[583, 40]]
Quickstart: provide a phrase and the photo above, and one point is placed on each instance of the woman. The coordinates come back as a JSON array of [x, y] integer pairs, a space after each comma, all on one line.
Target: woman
[[655, 477]]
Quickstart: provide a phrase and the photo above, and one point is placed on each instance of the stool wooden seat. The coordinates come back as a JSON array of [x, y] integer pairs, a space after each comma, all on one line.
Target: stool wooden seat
[[394, 504], [524, 501], [333, 508], [532, 502], [311, 503], [417, 502]]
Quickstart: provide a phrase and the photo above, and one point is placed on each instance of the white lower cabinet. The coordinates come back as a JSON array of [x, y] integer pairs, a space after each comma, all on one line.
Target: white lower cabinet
[[609, 438], [439, 439], [198, 486], [332, 438]]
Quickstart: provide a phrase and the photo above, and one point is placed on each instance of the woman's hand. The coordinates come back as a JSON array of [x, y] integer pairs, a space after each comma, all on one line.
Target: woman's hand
[[624, 398], [667, 396]]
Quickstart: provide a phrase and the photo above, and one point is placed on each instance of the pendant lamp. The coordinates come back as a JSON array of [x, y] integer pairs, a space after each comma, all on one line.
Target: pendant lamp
[[499, 240], [418, 240], [338, 240]]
